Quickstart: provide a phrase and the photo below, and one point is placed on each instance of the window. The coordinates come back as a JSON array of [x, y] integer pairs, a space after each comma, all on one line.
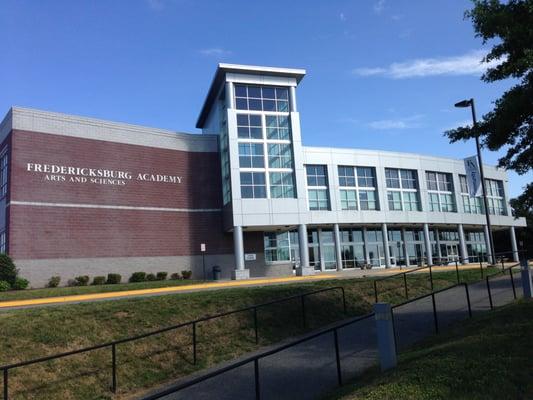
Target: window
[[317, 187], [348, 199], [495, 197], [361, 182], [279, 155], [251, 155], [277, 127], [249, 126], [261, 98], [3, 172], [318, 199], [316, 175], [281, 185], [402, 189], [440, 192], [281, 246], [3, 241], [471, 205], [253, 185]]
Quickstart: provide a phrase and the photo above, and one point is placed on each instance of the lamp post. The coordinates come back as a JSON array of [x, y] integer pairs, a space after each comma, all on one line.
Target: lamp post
[[470, 103]]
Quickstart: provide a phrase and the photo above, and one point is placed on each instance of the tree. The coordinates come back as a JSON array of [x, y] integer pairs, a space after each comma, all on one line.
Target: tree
[[8, 271], [509, 125]]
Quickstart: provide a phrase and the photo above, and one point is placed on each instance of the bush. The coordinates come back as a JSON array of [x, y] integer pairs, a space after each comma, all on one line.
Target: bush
[[4, 286], [151, 277], [99, 280], [53, 281], [113, 279], [175, 276], [186, 274], [21, 284], [72, 282], [82, 280], [8, 271], [138, 277], [162, 276]]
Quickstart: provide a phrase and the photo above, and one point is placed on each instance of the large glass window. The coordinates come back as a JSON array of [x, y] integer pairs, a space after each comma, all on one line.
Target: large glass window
[[277, 127], [357, 188], [279, 155], [440, 192], [495, 197], [471, 205], [261, 98], [253, 185], [281, 185], [3, 242], [3, 172], [249, 126], [317, 187], [251, 155], [402, 189], [281, 246], [352, 248]]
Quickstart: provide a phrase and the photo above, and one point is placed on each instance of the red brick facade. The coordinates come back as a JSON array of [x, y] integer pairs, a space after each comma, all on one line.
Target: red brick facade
[[40, 232]]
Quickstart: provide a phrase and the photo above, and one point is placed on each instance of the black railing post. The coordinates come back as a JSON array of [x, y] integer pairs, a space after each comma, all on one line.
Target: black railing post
[[343, 300], [114, 367], [256, 375], [255, 326], [457, 270], [468, 300], [194, 343], [394, 330], [405, 286], [503, 266], [376, 290], [5, 385], [337, 355], [304, 321], [490, 294], [512, 282], [431, 277], [435, 313]]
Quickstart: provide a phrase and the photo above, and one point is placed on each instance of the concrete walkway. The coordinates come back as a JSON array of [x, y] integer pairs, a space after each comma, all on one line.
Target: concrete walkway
[[328, 275], [308, 371]]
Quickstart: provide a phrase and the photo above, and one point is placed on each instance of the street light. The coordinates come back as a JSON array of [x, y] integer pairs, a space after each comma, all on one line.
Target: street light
[[470, 103]]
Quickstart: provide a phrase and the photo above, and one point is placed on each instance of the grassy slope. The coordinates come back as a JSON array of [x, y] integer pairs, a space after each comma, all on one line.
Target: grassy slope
[[490, 357], [36, 332]]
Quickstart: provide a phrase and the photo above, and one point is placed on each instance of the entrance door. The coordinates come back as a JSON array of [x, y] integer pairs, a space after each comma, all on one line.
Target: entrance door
[[376, 255], [452, 252]]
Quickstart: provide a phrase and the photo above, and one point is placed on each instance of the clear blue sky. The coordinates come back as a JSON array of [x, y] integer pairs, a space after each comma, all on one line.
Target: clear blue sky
[[381, 74]]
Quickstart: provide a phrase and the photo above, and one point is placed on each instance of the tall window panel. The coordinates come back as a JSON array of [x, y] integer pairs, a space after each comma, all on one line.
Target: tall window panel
[[495, 197], [261, 98], [357, 188], [402, 189], [440, 192], [471, 205], [281, 246], [282, 185], [4, 173], [253, 185], [3, 242], [317, 187], [251, 155]]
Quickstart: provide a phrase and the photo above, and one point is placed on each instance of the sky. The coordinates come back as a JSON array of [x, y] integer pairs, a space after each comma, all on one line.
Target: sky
[[381, 74]]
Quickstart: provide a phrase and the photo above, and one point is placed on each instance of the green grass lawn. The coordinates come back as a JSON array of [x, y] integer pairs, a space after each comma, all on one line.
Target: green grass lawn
[[31, 333], [490, 357]]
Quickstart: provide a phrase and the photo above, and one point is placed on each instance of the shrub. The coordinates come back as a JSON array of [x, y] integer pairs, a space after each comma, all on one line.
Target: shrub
[[99, 280], [186, 274], [8, 270], [53, 281], [175, 276], [161, 276], [20, 284], [151, 277], [4, 286], [82, 280], [72, 282], [138, 277], [113, 279]]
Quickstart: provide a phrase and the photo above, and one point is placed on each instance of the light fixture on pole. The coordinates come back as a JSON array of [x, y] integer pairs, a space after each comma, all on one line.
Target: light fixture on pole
[[470, 103]]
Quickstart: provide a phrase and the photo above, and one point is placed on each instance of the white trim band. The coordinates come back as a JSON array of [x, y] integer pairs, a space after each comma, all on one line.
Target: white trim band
[[110, 207]]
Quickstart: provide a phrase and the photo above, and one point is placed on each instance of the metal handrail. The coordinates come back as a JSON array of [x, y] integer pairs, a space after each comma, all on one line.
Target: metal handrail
[[114, 343]]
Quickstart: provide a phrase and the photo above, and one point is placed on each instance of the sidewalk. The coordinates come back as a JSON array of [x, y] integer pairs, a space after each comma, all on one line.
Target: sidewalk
[[345, 274]]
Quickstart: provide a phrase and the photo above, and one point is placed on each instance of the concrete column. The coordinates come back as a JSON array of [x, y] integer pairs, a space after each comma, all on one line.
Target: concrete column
[[487, 243], [385, 336], [321, 251], [405, 252], [240, 272], [338, 251], [386, 245], [437, 239], [427, 244], [514, 247], [462, 244], [367, 255], [303, 268], [230, 99], [292, 99]]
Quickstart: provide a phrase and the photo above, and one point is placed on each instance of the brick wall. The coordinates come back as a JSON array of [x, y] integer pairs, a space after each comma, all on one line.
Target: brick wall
[[38, 232]]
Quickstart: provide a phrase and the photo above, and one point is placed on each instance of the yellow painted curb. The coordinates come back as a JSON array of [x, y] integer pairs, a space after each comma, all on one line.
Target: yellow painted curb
[[169, 289]]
